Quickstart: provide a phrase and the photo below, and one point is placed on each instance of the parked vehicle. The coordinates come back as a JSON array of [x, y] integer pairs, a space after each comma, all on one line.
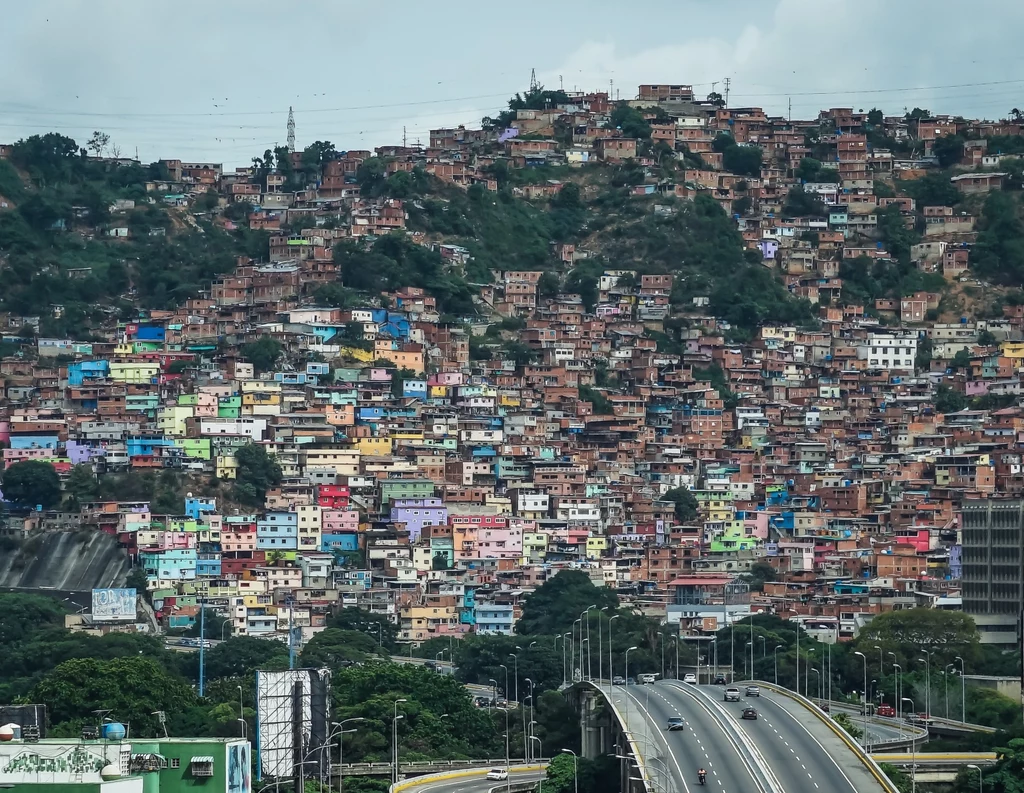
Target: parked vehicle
[[732, 695]]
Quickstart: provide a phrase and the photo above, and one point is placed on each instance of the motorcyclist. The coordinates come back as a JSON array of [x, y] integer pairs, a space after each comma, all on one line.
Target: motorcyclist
[[701, 775]]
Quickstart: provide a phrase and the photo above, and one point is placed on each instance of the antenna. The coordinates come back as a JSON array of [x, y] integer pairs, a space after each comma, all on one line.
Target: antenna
[[727, 81], [403, 136], [534, 87], [560, 86], [291, 130]]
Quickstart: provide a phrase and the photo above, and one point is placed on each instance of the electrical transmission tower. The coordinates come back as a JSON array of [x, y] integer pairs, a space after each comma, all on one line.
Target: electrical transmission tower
[[291, 130], [534, 85]]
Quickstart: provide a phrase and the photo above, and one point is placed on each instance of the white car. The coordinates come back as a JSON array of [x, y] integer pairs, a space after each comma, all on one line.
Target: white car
[[499, 774], [690, 677]]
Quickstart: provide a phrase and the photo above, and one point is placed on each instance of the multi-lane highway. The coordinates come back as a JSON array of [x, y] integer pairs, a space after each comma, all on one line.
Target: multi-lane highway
[[800, 751], [469, 782]]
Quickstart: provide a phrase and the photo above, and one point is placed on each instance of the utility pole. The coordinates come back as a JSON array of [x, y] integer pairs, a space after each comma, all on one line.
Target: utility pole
[[403, 136], [727, 81], [202, 646]]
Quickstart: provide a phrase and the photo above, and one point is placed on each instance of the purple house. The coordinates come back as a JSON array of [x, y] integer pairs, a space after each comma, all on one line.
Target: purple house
[[768, 248], [419, 512]]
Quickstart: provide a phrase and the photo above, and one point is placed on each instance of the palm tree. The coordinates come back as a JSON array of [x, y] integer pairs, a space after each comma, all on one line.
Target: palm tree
[[1015, 114]]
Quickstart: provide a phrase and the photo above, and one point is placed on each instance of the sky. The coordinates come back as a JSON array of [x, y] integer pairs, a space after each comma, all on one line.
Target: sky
[[212, 80]]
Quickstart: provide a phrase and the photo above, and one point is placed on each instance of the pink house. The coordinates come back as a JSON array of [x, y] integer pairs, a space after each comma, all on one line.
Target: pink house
[[334, 521]]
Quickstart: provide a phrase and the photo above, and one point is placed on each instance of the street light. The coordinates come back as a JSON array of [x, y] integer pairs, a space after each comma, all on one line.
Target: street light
[[588, 668], [515, 657], [526, 749], [225, 624], [775, 659], [945, 685], [764, 652], [928, 692], [628, 651], [575, 774], [600, 648], [913, 748], [394, 738], [899, 700], [494, 692], [981, 779], [610, 675], [572, 651], [818, 673], [341, 747], [963, 691], [750, 674], [507, 760], [865, 736]]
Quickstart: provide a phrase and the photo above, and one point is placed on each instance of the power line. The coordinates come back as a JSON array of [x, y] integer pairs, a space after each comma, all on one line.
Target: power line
[[885, 90], [252, 112]]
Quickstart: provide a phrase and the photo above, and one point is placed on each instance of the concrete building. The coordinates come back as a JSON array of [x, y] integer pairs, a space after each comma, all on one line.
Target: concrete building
[[993, 575]]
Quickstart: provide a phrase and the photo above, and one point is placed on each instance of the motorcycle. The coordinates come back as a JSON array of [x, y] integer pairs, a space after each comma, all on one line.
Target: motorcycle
[[702, 776]]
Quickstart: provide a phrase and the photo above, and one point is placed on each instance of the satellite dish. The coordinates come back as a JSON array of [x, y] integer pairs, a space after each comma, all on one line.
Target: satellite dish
[[188, 494]]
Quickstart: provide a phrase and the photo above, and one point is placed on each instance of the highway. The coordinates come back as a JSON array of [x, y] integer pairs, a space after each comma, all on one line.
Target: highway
[[469, 782], [802, 753], [704, 743]]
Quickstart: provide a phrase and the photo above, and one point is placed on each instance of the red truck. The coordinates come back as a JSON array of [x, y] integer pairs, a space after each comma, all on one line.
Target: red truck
[[885, 710]]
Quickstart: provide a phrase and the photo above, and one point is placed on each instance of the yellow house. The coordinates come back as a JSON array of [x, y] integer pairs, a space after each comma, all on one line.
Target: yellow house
[[138, 373], [343, 461], [1013, 350], [227, 466], [596, 546], [171, 419]]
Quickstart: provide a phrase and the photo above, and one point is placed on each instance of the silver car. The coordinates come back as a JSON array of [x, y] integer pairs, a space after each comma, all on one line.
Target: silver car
[[732, 695]]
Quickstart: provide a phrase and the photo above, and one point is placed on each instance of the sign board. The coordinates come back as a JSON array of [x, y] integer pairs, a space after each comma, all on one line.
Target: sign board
[[113, 605], [709, 624], [292, 721]]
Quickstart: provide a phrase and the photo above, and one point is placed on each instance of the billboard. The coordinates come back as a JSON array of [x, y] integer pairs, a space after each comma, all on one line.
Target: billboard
[[113, 605], [239, 769], [292, 722]]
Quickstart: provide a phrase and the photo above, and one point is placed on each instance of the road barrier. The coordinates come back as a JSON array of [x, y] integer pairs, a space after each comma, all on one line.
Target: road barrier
[[843, 735], [474, 772]]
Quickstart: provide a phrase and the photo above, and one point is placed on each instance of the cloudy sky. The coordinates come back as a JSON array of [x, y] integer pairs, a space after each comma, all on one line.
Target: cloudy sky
[[213, 79]]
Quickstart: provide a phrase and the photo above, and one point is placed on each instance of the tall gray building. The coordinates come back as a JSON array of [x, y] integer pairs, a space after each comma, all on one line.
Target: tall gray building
[[992, 532]]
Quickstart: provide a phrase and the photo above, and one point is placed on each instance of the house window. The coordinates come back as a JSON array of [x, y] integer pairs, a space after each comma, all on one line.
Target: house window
[[175, 762]]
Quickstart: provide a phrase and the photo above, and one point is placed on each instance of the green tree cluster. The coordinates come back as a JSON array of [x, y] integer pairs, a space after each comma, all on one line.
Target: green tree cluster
[[257, 472], [31, 483]]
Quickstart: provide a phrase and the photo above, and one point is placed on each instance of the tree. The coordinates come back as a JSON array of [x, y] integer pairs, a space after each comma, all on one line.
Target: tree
[[32, 483], [911, 631], [875, 117], [808, 169], [548, 285], [262, 353], [800, 203], [923, 359], [378, 627], [685, 503], [949, 149], [240, 656], [552, 607], [598, 401], [745, 160], [81, 484], [130, 688], [1006, 777], [210, 627], [962, 359], [21, 615], [98, 143], [844, 721], [716, 99], [335, 648], [986, 338], [257, 472]]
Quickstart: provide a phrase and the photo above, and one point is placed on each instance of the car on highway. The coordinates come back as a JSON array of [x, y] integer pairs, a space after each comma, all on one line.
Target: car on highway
[[647, 677], [753, 691], [732, 695], [630, 681], [750, 713], [886, 710], [690, 677], [498, 774], [618, 680], [719, 680], [674, 723], [921, 719]]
